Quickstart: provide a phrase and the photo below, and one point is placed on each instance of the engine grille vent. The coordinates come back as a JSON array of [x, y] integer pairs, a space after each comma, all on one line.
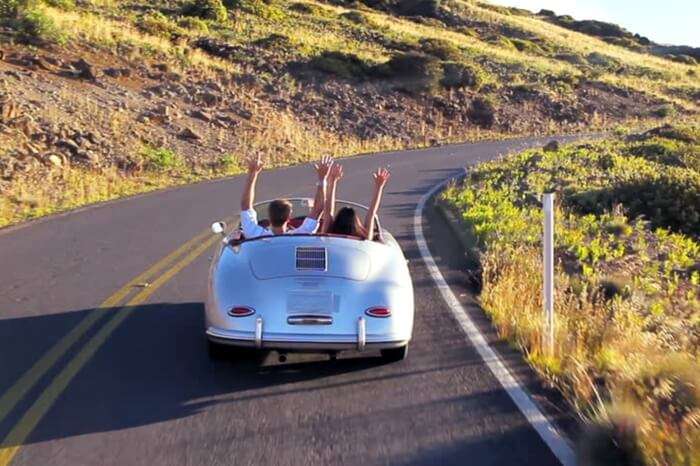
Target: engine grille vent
[[311, 258]]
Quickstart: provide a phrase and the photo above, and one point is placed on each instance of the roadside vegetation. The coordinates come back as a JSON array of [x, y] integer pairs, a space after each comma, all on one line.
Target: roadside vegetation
[[627, 298], [87, 85]]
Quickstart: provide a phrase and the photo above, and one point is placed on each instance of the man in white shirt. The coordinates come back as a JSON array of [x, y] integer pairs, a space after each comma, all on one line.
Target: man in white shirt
[[280, 210]]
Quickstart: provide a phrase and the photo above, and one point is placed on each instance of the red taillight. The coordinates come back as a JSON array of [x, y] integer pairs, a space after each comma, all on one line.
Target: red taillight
[[241, 311], [378, 312]]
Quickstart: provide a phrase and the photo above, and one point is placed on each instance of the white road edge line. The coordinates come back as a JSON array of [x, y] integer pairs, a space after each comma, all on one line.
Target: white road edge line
[[549, 434]]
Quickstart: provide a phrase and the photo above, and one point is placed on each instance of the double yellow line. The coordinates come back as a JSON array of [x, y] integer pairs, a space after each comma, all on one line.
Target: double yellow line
[[164, 270]]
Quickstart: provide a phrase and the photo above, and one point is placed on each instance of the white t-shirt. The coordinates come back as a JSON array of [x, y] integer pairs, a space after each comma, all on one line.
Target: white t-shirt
[[251, 229]]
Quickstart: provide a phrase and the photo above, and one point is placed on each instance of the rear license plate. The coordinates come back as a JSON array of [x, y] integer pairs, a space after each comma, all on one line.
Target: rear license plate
[[310, 302]]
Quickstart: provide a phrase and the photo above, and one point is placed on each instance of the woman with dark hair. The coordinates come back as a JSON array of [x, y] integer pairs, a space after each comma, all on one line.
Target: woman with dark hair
[[346, 221]]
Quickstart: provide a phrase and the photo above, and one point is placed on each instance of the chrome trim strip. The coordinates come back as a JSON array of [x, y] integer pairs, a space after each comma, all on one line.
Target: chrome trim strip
[[361, 334], [301, 337], [309, 320], [258, 332]]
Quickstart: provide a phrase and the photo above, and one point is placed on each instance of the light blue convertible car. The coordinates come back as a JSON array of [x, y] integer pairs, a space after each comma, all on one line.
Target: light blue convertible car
[[318, 293]]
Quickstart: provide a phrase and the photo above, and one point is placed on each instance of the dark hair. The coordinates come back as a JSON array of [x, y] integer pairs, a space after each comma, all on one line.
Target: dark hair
[[279, 212], [345, 223]]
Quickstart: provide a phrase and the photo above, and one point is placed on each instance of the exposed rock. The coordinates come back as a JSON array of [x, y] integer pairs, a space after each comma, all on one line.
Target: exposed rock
[[88, 156], [9, 110], [551, 146], [162, 67], [243, 113], [116, 72], [225, 121], [189, 133], [209, 98], [202, 115], [217, 48], [68, 144], [172, 76], [55, 160], [53, 60], [85, 70], [34, 61], [482, 113]]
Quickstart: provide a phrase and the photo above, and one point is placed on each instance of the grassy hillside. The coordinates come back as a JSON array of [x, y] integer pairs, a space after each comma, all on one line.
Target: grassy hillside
[[103, 98], [627, 297]]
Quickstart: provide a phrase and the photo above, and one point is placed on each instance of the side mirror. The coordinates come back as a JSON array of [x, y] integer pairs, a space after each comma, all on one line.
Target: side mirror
[[218, 228]]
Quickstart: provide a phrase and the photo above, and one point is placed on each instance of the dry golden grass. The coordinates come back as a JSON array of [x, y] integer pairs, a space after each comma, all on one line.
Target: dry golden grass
[[110, 33]]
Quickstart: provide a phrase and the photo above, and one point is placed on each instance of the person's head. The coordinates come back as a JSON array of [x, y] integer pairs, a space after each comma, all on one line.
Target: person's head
[[346, 222], [279, 211]]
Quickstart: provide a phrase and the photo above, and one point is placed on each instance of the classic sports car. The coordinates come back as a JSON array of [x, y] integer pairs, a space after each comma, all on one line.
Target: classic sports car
[[317, 293]]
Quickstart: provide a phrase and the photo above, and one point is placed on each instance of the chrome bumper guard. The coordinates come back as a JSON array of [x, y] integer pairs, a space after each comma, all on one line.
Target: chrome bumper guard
[[258, 332], [361, 334]]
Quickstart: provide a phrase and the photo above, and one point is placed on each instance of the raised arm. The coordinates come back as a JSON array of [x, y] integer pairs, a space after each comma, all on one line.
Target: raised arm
[[322, 170], [329, 209], [255, 166], [381, 176]]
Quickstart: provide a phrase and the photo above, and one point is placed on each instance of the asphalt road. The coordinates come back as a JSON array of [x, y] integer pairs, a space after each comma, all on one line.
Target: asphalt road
[[137, 387]]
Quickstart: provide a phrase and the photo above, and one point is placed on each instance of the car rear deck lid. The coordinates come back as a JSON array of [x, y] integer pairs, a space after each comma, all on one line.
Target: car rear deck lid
[[269, 261]]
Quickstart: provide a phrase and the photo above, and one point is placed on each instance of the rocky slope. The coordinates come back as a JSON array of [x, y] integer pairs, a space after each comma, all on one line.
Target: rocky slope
[[118, 97]]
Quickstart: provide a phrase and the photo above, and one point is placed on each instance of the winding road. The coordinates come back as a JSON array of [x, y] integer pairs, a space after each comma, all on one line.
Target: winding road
[[103, 359]]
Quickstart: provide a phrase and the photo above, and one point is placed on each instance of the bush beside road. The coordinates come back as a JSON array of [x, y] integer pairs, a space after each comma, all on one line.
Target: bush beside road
[[627, 297]]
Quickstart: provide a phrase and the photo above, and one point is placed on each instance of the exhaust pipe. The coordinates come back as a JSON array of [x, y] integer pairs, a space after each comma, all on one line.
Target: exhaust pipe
[[282, 357]]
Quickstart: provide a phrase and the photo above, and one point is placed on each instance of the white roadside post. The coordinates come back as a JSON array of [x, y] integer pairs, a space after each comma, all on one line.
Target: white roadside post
[[548, 277]]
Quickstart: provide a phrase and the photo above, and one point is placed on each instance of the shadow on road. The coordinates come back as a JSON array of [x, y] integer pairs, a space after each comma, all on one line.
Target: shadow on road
[[155, 367]]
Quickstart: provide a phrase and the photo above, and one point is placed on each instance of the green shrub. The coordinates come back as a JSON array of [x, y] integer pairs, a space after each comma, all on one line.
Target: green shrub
[[668, 152], [207, 9], [275, 41], [440, 48], [687, 134], [63, 4], [267, 9], [31, 22], [602, 61], [355, 17], [458, 75], [611, 441], [310, 9], [527, 46], [482, 112], [414, 72], [345, 65], [427, 8], [572, 58], [664, 111], [685, 59], [668, 198], [157, 24], [192, 23], [161, 158], [11, 9]]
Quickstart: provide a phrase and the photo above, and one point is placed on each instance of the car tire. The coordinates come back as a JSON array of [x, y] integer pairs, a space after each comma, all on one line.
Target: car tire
[[395, 354]]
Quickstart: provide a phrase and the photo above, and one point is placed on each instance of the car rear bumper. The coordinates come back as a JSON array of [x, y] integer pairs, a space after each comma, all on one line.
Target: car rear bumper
[[299, 341]]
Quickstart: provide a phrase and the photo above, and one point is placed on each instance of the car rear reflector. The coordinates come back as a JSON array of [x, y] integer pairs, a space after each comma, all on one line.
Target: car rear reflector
[[311, 258], [378, 312], [241, 311]]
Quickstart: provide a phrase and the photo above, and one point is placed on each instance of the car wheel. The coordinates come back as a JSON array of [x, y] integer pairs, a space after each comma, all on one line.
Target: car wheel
[[395, 354]]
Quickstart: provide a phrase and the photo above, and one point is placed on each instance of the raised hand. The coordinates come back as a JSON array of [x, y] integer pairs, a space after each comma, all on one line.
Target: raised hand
[[336, 172], [323, 168], [381, 176], [255, 164]]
